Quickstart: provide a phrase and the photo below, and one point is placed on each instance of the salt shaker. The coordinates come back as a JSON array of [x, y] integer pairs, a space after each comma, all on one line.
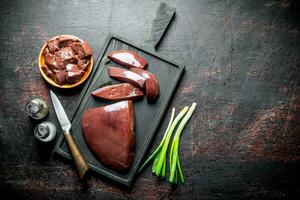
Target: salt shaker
[[36, 108], [45, 131]]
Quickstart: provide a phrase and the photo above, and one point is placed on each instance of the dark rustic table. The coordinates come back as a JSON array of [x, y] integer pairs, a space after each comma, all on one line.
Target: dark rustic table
[[242, 63]]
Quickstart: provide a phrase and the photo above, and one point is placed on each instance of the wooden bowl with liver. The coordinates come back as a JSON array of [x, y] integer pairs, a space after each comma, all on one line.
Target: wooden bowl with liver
[[65, 61]]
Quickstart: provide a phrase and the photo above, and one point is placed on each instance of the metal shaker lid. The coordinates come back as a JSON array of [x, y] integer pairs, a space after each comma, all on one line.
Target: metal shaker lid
[[45, 131], [41, 131], [33, 107]]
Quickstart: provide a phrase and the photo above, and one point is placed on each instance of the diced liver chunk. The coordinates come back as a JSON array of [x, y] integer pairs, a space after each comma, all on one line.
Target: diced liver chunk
[[53, 45]]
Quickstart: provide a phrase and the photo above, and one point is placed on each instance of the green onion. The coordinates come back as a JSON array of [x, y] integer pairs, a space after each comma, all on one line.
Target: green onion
[[160, 153], [157, 150], [175, 167], [161, 159]]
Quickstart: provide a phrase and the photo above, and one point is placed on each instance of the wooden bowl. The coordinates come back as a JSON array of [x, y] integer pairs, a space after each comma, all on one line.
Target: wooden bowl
[[52, 82]]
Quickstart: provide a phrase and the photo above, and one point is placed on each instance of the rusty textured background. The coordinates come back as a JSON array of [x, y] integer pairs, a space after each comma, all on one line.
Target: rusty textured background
[[242, 67]]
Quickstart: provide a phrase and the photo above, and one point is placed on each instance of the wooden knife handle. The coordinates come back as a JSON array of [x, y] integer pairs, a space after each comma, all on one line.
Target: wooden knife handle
[[80, 162]]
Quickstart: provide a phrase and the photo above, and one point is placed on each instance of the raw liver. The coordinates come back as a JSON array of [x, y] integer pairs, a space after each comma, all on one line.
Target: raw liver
[[53, 45], [64, 41], [48, 72], [46, 50], [60, 77], [126, 76], [83, 64], [128, 58], [66, 59], [74, 76], [72, 67], [109, 133], [87, 49], [65, 53], [151, 84], [54, 62], [123, 91], [83, 49]]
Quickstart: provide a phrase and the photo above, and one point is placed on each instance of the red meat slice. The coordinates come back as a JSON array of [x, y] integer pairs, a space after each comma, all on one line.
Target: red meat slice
[[64, 41], [46, 50], [126, 76], [65, 53], [48, 72], [54, 62], [83, 64], [123, 91], [109, 133], [128, 58], [74, 76], [87, 49], [151, 84], [82, 49], [53, 45], [60, 77]]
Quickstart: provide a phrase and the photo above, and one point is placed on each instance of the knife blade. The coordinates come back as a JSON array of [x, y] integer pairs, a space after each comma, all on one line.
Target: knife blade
[[65, 124], [60, 113]]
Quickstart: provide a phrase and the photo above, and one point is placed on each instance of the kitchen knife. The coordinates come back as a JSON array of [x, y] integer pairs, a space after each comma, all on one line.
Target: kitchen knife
[[65, 124]]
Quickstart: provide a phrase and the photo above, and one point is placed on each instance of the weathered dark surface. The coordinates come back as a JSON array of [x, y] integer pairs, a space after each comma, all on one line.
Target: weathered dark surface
[[242, 67]]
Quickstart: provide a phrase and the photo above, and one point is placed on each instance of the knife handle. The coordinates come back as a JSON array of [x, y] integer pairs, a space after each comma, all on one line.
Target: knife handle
[[80, 162]]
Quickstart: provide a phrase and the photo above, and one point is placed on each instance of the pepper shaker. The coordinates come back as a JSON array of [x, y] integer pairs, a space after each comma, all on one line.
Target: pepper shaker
[[45, 131], [36, 108]]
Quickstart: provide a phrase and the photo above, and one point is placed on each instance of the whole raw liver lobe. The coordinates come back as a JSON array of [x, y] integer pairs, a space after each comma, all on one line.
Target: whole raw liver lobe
[[109, 133]]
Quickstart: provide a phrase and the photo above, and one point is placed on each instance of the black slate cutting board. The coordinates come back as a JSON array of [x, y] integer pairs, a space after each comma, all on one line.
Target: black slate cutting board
[[147, 116]]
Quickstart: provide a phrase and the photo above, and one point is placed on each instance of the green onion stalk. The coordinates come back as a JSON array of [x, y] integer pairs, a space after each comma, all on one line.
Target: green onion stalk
[[160, 153], [175, 167]]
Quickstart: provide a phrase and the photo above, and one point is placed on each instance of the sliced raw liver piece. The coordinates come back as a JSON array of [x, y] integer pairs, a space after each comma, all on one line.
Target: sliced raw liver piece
[[53, 45], [64, 41], [109, 133], [151, 84], [46, 50], [50, 59], [123, 91], [71, 67], [60, 77], [126, 76], [77, 48], [48, 72], [83, 64], [74, 76], [53, 62], [87, 49], [82, 49], [65, 53], [128, 58]]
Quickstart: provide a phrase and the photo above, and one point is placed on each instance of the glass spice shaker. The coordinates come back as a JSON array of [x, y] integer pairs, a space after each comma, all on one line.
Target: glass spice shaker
[[36, 108], [45, 131]]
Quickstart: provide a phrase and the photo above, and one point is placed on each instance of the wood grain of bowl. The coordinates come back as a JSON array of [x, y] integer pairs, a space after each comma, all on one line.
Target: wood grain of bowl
[[41, 62]]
